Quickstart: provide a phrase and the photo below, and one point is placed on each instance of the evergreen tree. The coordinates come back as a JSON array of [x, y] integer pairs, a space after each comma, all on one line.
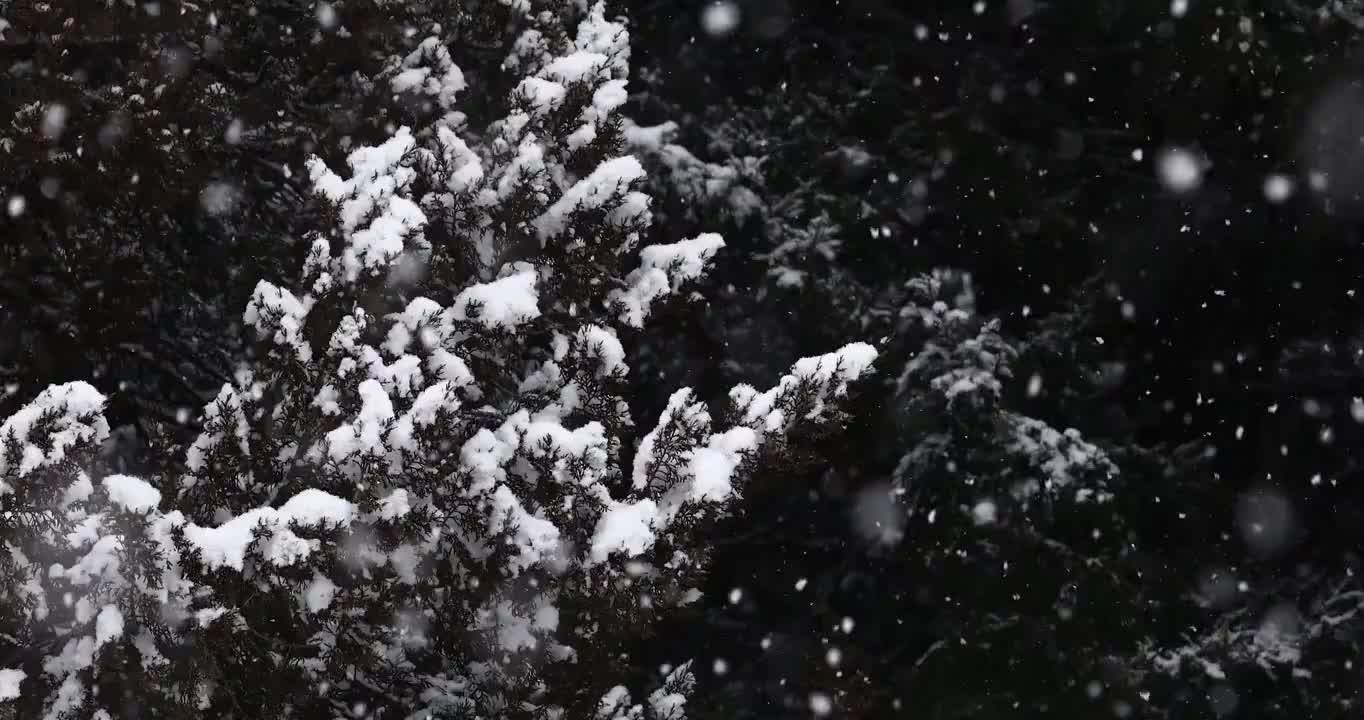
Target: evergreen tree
[[426, 495]]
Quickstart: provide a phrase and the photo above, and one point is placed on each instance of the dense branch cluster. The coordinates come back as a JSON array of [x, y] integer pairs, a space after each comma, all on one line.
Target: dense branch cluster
[[428, 495]]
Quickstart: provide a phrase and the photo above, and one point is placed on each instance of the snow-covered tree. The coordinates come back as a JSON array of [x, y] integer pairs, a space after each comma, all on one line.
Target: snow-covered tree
[[427, 495], [1288, 648], [981, 549]]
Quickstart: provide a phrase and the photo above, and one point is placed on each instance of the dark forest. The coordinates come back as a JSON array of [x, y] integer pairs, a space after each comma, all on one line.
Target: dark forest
[[681, 360]]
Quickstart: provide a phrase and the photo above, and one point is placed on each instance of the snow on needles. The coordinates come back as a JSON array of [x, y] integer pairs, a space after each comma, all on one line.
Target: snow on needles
[[503, 303], [711, 469], [663, 269], [626, 528], [608, 183], [830, 373], [227, 544], [74, 409], [10, 680], [483, 433], [132, 494]]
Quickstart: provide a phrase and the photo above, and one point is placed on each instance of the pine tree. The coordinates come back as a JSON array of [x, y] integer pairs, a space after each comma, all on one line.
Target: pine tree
[[426, 495]]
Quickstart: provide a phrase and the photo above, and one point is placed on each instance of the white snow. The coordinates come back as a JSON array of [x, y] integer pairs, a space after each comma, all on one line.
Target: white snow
[[464, 166], [516, 632], [205, 617], [383, 240], [609, 97], [684, 260], [227, 544], [535, 538], [544, 96], [9, 683], [367, 164], [312, 508], [830, 372], [662, 270], [364, 436], [504, 303], [712, 467], [576, 67], [131, 494], [76, 411], [319, 594], [608, 182], [681, 408], [276, 312], [394, 505], [605, 346], [109, 625], [625, 528]]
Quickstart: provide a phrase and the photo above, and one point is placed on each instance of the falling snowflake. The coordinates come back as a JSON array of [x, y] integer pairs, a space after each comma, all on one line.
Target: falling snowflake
[[326, 15], [219, 198], [720, 18], [1179, 170], [1278, 188], [54, 121], [984, 513], [233, 134]]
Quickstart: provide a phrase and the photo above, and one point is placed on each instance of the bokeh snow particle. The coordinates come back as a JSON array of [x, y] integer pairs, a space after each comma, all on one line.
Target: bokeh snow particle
[[1179, 170], [719, 19], [985, 512], [1217, 587], [1278, 188], [16, 205], [1266, 520], [821, 704], [219, 198], [233, 134], [326, 15], [1280, 626], [876, 517], [720, 667], [54, 121], [1179, 7]]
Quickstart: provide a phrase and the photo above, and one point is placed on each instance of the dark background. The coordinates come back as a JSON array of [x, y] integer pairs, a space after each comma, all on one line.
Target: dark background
[[1209, 341]]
